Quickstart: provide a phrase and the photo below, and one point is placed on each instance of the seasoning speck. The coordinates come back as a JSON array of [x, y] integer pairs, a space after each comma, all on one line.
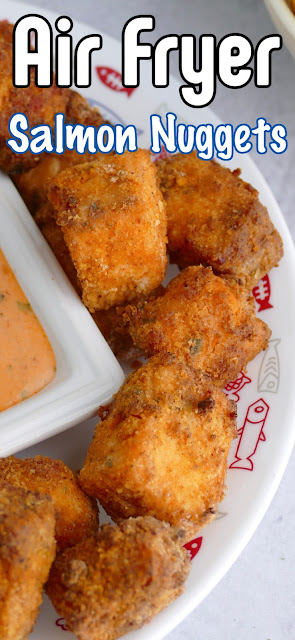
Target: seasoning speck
[[24, 306]]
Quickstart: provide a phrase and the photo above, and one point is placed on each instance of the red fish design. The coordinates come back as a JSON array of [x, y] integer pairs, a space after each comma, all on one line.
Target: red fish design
[[232, 387], [262, 293], [250, 434], [61, 623], [194, 546], [113, 80], [159, 156], [269, 374]]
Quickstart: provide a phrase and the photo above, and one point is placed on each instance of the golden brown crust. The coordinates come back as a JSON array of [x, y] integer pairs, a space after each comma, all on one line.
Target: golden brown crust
[[209, 321], [114, 329], [116, 334], [79, 111], [39, 104], [291, 4], [45, 220], [113, 219], [32, 184], [27, 550], [110, 322], [120, 580], [161, 449], [76, 514], [216, 219]]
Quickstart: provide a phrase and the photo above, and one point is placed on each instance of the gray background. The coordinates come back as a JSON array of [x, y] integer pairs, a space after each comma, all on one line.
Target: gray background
[[256, 599]]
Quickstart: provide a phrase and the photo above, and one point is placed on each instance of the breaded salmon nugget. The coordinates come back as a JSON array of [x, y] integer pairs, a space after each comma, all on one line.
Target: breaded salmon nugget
[[76, 514], [110, 323], [161, 449], [32, 184], [27, 550], [39, 104], [45, 220], [79, 111], [117, 582], [216, 219], [114, 223], [211, 322], [115, 331]]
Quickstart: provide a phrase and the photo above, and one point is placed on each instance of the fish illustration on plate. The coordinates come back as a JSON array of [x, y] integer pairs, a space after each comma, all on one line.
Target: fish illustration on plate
[[234, 386], [220, 515], [113, 80], [194, 546], [269, 374], [251, 433], [61, 623], [262, 293], [159, 156]]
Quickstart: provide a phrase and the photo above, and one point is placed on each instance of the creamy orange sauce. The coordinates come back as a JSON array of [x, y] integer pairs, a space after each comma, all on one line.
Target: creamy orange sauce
[[27, 361]]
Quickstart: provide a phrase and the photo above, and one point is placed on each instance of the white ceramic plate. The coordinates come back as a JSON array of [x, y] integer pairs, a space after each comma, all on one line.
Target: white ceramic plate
[[266, 399]]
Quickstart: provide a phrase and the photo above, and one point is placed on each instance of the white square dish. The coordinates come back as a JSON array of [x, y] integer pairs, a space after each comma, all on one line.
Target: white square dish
[[87, 373]]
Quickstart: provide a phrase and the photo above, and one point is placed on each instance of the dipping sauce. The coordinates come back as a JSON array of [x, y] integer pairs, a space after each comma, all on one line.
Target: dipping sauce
[[27, 361]]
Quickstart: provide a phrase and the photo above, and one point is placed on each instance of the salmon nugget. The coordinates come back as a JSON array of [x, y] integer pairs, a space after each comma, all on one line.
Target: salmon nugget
[[39, 104], [115, 331], [208, 320], [161, 448], [112, 326], [216, 219], [110, 323], [32, 184], [113, 218], [76, 514], [53, 234], [117, 582], [27, 550], [79, 111]]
